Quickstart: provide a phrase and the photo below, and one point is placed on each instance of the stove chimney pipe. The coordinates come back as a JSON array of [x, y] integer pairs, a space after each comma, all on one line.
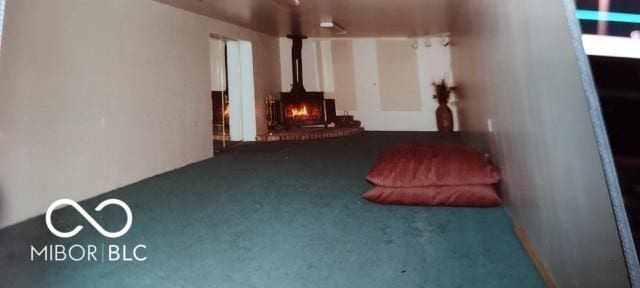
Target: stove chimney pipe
[[296, 64]]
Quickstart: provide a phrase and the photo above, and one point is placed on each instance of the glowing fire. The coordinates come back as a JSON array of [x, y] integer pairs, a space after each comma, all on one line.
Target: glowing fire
[[299, 112]]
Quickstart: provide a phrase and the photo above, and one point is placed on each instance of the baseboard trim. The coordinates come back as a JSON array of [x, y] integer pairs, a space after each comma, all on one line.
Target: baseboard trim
[[533, 254]]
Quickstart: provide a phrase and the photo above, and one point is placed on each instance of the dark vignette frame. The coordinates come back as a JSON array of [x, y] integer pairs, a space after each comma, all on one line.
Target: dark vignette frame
[[604, 148]]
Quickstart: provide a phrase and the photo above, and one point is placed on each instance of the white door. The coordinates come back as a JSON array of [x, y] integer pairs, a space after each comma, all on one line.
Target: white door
[[248, 92], [235, 91], [242, 108]]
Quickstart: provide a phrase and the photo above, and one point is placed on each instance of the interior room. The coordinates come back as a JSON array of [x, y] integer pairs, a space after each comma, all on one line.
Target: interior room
[[305, 143]]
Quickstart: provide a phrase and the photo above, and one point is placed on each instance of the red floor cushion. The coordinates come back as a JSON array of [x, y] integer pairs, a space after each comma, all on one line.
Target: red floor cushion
[[419, 165], [462, 195]]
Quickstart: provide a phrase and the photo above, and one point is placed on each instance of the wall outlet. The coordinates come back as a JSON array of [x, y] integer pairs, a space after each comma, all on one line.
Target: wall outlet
[[103, 123], [490, 124]]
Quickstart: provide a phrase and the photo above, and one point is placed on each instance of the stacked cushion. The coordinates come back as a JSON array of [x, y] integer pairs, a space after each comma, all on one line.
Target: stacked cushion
[[418, 174]]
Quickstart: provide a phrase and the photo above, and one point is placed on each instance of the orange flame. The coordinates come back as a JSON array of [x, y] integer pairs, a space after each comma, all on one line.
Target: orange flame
[[302, 112]]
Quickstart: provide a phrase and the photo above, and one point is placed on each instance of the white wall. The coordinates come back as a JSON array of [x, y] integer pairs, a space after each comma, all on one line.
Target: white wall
[[310, 75], [95, 95], [319, 73], [515, 64]]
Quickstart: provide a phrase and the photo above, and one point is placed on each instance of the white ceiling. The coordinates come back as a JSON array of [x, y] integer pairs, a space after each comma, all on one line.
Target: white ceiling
[[361, 18]]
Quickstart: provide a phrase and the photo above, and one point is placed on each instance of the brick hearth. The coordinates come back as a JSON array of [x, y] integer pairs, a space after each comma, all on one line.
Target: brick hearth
[[309, 133]]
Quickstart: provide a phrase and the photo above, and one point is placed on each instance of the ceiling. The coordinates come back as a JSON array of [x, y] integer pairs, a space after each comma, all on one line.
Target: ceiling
[[361, 18]]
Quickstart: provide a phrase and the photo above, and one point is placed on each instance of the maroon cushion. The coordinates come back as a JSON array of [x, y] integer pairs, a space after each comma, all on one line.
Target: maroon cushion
[[464, 195], [419, 165]]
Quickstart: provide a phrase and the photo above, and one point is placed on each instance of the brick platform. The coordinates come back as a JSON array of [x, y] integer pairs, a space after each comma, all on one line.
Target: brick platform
[[308, 133], [219, 137]]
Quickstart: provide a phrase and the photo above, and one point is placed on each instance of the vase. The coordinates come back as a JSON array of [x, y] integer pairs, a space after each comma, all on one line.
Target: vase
[[444, 118]]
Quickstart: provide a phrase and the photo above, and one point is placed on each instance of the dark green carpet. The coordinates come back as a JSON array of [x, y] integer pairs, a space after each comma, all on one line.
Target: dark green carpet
[[279, 215]]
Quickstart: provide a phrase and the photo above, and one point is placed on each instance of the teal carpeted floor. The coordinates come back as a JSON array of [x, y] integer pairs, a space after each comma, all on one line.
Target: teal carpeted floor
[[278, 215]]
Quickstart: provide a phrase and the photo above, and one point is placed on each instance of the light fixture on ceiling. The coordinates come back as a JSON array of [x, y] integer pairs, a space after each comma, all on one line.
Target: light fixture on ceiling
[[635, 34], [415, 45], [326, 24], [288, 3], [333, 26], [445, 40]]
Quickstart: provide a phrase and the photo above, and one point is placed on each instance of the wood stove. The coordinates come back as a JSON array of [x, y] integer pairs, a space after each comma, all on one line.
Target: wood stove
[[299, 107], [303, 109]]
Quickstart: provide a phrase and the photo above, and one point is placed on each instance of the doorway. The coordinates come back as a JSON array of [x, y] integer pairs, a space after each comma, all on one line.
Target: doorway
[[232, 92]]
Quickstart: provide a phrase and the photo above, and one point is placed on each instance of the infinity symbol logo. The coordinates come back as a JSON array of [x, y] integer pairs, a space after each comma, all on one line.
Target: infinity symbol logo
[[90, 219]]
